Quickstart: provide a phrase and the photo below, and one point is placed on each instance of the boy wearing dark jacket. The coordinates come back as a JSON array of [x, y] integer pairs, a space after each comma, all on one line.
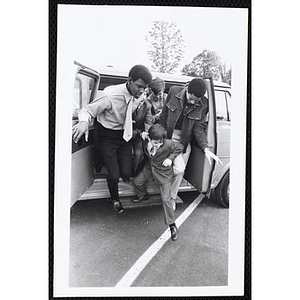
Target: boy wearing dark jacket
[[161, 153]]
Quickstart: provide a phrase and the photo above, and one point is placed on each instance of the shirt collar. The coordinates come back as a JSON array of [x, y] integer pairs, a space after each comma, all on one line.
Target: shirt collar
[[127, 94], [119, 90]]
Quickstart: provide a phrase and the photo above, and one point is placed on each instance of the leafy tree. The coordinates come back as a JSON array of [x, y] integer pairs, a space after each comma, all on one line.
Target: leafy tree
[[165, 43], [205, 64]]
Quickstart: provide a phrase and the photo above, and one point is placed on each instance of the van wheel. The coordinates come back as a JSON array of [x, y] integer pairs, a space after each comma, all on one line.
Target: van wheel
[[223, 190]]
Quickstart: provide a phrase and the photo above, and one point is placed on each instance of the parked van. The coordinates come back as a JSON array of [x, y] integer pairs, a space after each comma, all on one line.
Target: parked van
[[86, 183]]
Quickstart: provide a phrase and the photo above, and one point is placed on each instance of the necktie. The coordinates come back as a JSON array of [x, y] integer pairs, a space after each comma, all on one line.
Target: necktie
[[127, 135]]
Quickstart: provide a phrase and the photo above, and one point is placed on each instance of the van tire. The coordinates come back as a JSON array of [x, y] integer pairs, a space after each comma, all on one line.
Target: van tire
[[223, 190]]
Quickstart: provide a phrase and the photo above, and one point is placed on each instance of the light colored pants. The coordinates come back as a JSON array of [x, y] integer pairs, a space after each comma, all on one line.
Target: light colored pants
[[139, 184], [179, 165]]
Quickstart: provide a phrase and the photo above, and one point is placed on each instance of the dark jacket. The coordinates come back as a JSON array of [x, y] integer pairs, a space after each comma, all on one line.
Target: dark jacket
[[194, 122], [142, 118], [154, 168]]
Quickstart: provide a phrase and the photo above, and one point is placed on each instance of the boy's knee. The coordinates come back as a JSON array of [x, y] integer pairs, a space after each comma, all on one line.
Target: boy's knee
[[136, 182]]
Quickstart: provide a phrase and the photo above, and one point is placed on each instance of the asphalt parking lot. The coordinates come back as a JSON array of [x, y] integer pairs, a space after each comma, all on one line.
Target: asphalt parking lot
[[105, 245]]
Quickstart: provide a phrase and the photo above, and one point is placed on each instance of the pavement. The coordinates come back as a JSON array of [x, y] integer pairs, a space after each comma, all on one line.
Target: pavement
[[105, 245]]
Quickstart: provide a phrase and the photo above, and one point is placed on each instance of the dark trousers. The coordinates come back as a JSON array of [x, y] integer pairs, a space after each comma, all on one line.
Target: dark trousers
[[139, 159], [116, 155]]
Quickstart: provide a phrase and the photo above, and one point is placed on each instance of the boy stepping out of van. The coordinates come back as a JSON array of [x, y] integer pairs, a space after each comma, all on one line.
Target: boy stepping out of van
[[161, 153]]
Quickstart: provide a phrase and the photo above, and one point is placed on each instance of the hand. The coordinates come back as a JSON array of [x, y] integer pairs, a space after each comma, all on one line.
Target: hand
[[167, 162], [144, 135], [209, 155], [79, 129]]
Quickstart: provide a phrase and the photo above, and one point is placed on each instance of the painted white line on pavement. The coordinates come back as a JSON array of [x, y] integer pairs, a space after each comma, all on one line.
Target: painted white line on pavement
[[141, 263]]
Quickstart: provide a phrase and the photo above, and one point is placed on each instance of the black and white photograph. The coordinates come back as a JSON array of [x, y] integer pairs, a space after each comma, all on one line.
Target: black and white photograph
[[150, 151], [71, 228]]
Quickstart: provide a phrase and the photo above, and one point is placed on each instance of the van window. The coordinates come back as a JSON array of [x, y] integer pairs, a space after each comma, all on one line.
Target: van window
[[82, 92], [222, 107]]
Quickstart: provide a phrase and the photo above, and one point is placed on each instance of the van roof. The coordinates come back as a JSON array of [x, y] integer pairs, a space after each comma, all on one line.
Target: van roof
[[112, 71]]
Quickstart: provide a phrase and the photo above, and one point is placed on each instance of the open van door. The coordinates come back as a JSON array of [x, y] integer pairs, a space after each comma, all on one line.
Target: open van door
[[85, 90], [199, 171]]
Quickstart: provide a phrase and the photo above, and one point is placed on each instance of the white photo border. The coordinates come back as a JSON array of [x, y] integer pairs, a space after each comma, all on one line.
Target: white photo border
[[62, 179]]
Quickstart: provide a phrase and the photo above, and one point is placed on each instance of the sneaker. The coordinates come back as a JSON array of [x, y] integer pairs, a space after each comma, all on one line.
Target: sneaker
[[174, 204], [174, 232], [137, 199], [118, 206]]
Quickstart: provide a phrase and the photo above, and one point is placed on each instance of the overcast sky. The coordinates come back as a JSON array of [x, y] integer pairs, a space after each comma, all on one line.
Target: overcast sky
[[115, 35]]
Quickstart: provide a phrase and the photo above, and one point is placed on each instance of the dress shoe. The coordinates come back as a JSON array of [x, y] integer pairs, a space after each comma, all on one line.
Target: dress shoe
[[118, 206], [137, 199], [174, 233]]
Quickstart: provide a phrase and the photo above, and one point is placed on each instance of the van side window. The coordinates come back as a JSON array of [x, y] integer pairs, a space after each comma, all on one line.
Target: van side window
[[82, 92], [222, 105]]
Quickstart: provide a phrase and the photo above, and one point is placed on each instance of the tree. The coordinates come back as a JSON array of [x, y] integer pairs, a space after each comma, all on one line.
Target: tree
[[205, 64], [165, 43]]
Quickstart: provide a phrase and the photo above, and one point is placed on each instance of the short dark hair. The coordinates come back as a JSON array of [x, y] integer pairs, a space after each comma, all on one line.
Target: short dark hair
[[157, 132], [197, 87], [140, 72]]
